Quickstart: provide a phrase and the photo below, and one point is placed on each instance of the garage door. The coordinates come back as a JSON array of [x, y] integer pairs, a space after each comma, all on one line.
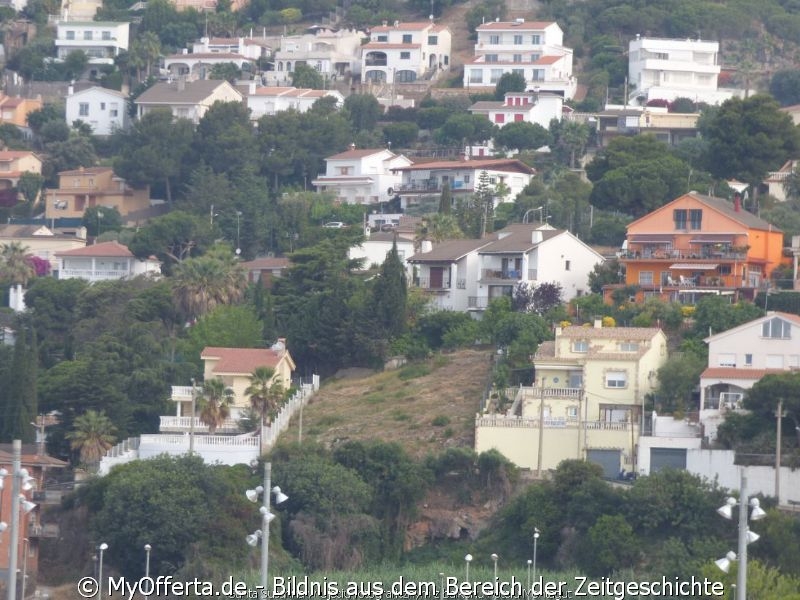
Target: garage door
[[667, 458], [608, 459]]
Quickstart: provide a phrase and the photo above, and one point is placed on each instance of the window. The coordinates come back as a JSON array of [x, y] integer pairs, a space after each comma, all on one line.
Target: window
[[616, 379], [106, 35], [538, 74], [87, 35], [466, 178], [629, 347], [535, 57], [475, 76], [518, 58], [499, 118], [695, 218], [794, 361], [383, 38], [495, 75], [491, 58], [679, 216], [566, 262], [406, 38], [494, 39], [518, 118], [517, 40], [774, 361], [405, 56], [580, 346], [70, 35], [345, 170], [776, 329], [83, 109], [748, 360], [572, 413], [102, 106], [727, 360], [646, 278], [536, 39], [433, 40], [518, 72]]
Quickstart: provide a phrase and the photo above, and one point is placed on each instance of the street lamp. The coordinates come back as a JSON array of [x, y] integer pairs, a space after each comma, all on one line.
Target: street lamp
[[529, 573], [20, 480], [147, 548], [467, 560], [238, 246], [102, 547], [266, 517], [745, 535], [530, 210], [494, 558], [535, 542]]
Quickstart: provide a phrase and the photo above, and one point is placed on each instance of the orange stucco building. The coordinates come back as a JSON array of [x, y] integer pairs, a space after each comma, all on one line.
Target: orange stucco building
[[697, 245]]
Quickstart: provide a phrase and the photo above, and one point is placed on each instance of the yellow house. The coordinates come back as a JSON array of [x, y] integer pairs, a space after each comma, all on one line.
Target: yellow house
[[235, 365], [15, 110], [589, 394], [95, 186]]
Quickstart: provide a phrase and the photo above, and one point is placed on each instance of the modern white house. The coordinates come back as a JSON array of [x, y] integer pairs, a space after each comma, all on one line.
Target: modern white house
[[199, 64], [335, 54], [271, 100], [534, 49], [373, 250], [738, 358], [507, 176], [186, 99], [102, 41], [104, 110], [465, 275], [528, 107], [362, 176], [248, 47], [667, 69], [405, 52], [103, 262]]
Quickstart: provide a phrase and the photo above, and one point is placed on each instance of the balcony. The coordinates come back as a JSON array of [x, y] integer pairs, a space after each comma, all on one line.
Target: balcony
[[46, 530], [671, 254], [48, 497], [170, 424], [425, 283], [507, 274], [92, 274], [181, 393]]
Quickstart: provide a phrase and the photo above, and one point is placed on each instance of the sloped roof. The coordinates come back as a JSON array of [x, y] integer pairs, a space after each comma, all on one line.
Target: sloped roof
[[266, 262], [411, 26], [194, 92], [358, 153], [517, 239], [736, 373], [449, 251], [86, 171], [97, 89], [610, 333], [503, 25], [241, 360], [6, 155], [492, 164], [111, 249], [30, 456], [754, 322]]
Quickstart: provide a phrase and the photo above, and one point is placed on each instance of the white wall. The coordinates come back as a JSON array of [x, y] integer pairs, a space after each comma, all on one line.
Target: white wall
[[553, 255]]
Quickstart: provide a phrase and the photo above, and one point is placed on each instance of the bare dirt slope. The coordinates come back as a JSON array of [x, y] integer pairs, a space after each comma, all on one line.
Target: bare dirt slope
[[423, 413]]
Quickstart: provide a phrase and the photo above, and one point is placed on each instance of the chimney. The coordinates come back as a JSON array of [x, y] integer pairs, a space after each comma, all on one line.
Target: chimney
[[251, 87], [737, 202], [598, 323], [536, 236]]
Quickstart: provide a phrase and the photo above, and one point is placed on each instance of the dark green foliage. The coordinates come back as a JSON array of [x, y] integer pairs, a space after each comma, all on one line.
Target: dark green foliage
[[98, 220], [363, 111], [305, 76], [227, 71], [715, 314], [18, 401], [509, 82], [785, 86], [180, 506], [389, 294], [402, 134], [523, 136]]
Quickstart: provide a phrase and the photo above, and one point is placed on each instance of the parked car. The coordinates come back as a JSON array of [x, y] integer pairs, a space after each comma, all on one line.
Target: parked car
[[334, 225]]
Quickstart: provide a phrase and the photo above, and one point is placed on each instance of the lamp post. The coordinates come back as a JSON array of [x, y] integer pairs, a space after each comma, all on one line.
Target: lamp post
[[530, 210], [102, 547], [238, 246], [266, 518], [147, 548], [25, 542], [191, 418], [529, 573], [494, 558], [535, 542], [745, 535], [467, 560]]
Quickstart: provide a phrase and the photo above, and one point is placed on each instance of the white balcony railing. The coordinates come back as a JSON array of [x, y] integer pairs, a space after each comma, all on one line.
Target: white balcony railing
[[181, 393], [169, 424], [93, 274], [549, 423]]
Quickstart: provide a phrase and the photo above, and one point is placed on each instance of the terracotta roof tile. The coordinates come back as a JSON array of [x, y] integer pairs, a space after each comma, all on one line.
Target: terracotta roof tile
[[736, 373], [241, 360], [267, 262], [105, 249], [610, 333]]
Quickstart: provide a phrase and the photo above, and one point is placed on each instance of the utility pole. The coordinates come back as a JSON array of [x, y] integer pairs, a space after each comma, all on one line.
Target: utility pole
[[778, 419], [541, 429]]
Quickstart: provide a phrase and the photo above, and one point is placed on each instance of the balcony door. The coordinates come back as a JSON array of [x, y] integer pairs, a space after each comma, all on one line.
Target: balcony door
[[437, 277]]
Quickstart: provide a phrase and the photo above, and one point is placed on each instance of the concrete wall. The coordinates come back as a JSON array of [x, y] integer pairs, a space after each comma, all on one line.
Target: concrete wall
[[213, 449]]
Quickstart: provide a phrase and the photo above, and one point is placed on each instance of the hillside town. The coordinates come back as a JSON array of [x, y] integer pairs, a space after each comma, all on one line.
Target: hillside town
[[511, 283]]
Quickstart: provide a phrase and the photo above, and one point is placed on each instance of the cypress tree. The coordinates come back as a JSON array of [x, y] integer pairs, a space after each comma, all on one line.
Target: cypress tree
[[445, 200], [390, 294]]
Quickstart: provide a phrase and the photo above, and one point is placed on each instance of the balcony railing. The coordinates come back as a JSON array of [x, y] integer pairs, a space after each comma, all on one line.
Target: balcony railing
[[169, 424], [675, 253], [47, 496], [47, 530], [181, 393], [426, 284], [508, 274], [550, 423], [93, 274], [375, 62], [477, 302]]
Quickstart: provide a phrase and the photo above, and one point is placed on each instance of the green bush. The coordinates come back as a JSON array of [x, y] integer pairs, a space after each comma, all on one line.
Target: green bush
[[413, 371]]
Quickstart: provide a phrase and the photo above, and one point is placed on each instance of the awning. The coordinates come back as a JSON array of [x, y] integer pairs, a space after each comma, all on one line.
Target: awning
[[714, 238], [652, 238], [694, 266]]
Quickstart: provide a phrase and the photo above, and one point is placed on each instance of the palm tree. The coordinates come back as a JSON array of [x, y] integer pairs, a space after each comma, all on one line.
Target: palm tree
[[93, 435], [203, 283], [15, 265], [215, 403], [266, 392]]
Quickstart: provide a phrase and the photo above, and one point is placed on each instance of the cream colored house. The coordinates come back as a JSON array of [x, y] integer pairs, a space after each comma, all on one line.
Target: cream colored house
[[589, 394], [43, 242]]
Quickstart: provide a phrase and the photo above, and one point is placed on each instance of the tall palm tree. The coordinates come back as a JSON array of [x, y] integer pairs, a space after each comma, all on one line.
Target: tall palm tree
[[15, 265], [266, 393], [93, 435], [215, 403], [203, 283]]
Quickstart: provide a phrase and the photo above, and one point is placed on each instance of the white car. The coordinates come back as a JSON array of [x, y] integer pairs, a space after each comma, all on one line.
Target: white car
[[334, 225]]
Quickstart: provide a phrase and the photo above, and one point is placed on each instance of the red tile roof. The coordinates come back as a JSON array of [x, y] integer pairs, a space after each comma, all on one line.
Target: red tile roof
[[12, 154], [503, 25], [267, 262], [241, 360], [420, 26], [86, 171], [358, 153], [105, 249], [735, 373], [493, 164]]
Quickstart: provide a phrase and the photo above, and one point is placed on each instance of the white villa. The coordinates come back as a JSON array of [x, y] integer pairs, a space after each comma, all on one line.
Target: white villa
[[534, 49], [405, 52], [335, 54], [104, 261], [104, 110], [362, 176], [271, 100]]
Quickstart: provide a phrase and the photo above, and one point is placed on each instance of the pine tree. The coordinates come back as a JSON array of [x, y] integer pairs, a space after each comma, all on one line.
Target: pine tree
[[446, 200], [390, 294]]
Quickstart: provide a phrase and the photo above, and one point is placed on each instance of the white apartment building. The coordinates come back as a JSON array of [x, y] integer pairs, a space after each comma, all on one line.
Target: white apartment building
[[362, 176], [405, 52], [102, 41], [335, 54], [666, 69], [534, 49]]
